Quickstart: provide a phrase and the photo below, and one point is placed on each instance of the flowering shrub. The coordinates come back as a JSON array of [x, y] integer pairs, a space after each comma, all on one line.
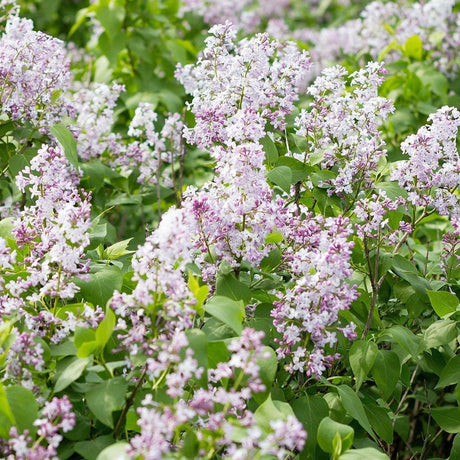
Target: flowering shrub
[[214, 245]]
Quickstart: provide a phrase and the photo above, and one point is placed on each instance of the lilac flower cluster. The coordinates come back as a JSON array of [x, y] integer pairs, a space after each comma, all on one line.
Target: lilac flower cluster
[[24, 358], [307, 312], [238, 87], [51, 235], [341, 128], [373, 221], [383, 23], [33, 70], [54, 229], [229, 219], [57, 416], [95, 119], [152, 150], [246, 15], [215, 413], [7, 260], [431, 175]]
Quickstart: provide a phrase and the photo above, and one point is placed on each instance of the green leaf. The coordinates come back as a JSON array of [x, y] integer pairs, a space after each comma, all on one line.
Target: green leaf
[[199, 292], [66, 139], [409, 341], [440, 333], [450, 375], [455, 452], [229, 311], [448, 418], [354, 407], [386, 371], [117, 250], [68, 370], [267, 372], [105, 328], [6, 415], [271, 410], [274, 237], [103, 282], [321, 178], [327, 431], [198, 342], [85, 341], [24, 407], [310, 410], [414, 47], [367, 453], [270, 149], [380, 421], [117, 451], [362, 358], [444, 303], [190, 445], [228, 286], [281, 176], [106, 397], [403, 268], [89, 450], [111, 18]]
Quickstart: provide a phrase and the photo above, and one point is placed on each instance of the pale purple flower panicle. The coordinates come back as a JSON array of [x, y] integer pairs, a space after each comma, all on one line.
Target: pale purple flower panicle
[[34, 68], [246, 15], [241, 86], [24, 358], [307, 313], [431, 175], [213, 413], [152, 150], [341, 127], [382, 23], [54, 228], [57, 416], [95, 118]]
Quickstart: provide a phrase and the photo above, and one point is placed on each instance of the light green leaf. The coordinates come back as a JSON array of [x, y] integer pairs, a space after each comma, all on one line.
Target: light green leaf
[[270, 149], [380, 421], [117, 451], [267, 372], [414, 47], [444, 303], [228, 286], [105, 328], [6, 415], [229, 311], [117, 250], [310, 410], [89, 450], [327, 431], [440, 333], [271, 410], [198, 342], [366, 453]]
